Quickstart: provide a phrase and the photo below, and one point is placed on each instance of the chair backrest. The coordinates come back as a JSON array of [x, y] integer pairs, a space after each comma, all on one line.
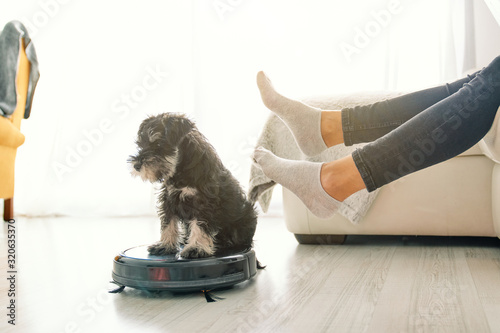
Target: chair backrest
[[22, 82]]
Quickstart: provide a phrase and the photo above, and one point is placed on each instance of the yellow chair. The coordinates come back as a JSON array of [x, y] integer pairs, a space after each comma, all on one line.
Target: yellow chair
[[11, 137]]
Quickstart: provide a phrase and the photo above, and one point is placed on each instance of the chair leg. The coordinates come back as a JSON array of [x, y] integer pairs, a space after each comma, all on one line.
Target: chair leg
[[8, 209]]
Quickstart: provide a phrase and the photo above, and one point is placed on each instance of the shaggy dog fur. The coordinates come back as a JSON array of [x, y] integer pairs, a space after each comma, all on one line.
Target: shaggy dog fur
[[200, 204]]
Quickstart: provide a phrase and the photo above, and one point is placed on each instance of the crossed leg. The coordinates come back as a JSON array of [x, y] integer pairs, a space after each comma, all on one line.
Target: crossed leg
[[322, 187], [452, 117]]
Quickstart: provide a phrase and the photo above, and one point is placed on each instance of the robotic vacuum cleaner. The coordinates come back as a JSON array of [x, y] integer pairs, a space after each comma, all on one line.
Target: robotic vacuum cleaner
[[136, 268]]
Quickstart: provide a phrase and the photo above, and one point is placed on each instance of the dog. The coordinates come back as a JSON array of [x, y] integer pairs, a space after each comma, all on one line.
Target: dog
[[201, 206]]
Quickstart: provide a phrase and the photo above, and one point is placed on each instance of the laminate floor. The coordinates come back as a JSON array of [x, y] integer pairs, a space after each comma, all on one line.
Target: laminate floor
[[369, 284]]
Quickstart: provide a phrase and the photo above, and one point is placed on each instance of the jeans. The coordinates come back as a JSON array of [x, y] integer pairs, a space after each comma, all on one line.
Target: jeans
[[417, 130]]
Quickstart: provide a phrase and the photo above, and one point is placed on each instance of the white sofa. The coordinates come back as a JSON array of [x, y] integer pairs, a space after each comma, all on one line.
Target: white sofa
[[459, 197]]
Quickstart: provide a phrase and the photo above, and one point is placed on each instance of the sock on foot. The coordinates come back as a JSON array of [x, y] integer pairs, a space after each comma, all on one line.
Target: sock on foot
[[300, 177], [303, 120]]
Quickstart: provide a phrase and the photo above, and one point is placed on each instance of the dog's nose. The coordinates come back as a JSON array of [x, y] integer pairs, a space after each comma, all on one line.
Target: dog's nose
[[137, 166]]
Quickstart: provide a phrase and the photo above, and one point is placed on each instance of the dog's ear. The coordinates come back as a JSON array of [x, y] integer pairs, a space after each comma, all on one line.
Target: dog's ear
[[176, 128]]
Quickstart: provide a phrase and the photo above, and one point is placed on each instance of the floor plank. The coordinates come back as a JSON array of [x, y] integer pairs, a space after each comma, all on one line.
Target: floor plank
[[484, 265], [369, 284]]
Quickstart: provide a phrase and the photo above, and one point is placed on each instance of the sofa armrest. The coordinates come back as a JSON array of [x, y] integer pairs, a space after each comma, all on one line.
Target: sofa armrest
[[490, 144], [495, 198]]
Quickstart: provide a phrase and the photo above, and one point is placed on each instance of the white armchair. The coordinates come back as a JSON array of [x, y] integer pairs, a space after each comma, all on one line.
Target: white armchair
[[460, 197]]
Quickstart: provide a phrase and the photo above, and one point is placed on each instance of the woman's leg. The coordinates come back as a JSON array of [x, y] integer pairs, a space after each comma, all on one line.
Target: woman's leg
[[302, 178], [440, 132], [367, 123], [436, 134], [316, 130], [303, 120]]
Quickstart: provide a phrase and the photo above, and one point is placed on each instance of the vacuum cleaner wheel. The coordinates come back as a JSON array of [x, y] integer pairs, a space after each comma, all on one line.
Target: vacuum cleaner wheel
[[136, 268]]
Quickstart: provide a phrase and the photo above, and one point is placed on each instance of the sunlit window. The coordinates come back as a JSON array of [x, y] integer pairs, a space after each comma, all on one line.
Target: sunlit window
[[106, 65]]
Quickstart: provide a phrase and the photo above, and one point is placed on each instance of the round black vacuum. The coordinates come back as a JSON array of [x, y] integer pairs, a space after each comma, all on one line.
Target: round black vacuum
[[136, 268]]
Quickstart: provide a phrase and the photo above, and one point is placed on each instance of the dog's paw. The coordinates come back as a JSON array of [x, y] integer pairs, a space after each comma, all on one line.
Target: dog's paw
[[192, 252], [160, 249]]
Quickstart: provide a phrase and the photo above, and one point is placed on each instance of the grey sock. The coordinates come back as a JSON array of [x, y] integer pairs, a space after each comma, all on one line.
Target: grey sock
[[303, 120], [300, 177]]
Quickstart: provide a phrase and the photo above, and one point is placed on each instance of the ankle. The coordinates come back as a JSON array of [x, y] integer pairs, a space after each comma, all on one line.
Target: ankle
[[331, 128], [330, 181], [341, 178]]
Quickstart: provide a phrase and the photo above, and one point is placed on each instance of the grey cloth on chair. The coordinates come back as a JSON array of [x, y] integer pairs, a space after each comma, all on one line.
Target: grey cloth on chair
[[11, 38]]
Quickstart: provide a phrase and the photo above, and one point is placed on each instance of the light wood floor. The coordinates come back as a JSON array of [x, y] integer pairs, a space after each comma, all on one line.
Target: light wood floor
[[369, 284]]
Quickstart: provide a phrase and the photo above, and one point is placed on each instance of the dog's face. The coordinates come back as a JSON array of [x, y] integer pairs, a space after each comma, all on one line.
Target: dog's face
[[157, 141]]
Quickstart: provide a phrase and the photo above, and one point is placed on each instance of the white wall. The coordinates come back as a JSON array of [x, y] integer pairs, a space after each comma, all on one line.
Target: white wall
[[97, 59], [487, 34]]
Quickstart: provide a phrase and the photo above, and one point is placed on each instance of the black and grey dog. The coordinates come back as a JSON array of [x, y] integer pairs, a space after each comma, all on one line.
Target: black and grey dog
[[200, 204]]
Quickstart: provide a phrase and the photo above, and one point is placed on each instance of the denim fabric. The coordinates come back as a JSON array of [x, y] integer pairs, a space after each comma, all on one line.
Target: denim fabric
[[417, 130]]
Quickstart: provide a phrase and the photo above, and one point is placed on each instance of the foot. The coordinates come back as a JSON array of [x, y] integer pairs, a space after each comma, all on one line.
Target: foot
[[300, 177], [303, 120], [161, 249], [193, 252]]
